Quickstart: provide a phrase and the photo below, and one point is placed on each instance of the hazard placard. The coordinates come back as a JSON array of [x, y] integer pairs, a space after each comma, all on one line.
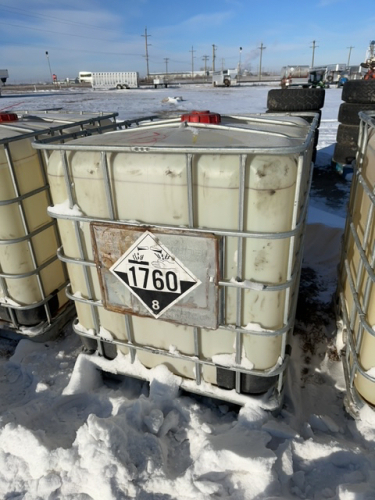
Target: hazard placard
[[167, 274], [154, 275]]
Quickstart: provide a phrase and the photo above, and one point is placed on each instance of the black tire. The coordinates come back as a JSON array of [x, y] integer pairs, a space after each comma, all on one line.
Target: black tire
[[348, 112], [348, 135], [295, 99], [308, 115], [359, 91], [227, 82], [344, 154]]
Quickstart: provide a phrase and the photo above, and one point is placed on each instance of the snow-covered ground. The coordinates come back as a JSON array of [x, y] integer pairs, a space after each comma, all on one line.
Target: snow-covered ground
[[67, 433]]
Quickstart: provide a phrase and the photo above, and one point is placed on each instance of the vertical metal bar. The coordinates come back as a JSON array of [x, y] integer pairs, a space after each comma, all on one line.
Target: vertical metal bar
[[81, 246], [290, 308], [190, 194], [222, 290], [130, 335], [241, 225], [107, 185], [191, 218]]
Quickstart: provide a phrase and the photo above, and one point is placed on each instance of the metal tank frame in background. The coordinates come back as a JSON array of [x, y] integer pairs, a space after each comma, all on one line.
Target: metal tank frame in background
[[102, 346], [354, 321], [89, 124]]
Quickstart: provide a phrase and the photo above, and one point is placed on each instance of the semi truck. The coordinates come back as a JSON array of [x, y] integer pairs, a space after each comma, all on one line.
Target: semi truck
[[106, 80], [3, 77]]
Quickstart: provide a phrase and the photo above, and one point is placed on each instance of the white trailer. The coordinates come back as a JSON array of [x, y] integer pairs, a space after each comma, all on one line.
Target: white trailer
[[115, 80], [3, 77], [224, 78]]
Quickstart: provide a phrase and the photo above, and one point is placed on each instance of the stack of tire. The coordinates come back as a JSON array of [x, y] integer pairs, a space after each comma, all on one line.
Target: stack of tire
[[358, 95], [298, 101]]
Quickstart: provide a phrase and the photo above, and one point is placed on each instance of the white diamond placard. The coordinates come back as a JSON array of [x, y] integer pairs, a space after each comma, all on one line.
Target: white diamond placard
[[154, 275]]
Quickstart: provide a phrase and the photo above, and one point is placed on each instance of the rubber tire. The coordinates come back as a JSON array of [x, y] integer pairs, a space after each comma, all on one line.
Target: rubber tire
[[226, 82], [348, 112], [359, 91], [348, 135], [309, 119], [295, 99], [344, 154], [316, 140]]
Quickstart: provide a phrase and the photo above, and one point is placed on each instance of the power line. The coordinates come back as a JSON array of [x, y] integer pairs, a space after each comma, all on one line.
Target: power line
[[56, 32], [52, 18]]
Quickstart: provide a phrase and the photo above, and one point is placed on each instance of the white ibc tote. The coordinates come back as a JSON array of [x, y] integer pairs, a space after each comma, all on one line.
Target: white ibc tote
[[357, 275], [32, 279], [184, 245]]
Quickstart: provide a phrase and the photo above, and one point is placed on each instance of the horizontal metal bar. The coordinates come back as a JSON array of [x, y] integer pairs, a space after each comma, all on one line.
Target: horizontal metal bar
[[229, 328], [22, 197], [28, 236], [271, 372], [218, 232], [285, 150], [33, 272], [73, 260], [34, 305], [50, 130]]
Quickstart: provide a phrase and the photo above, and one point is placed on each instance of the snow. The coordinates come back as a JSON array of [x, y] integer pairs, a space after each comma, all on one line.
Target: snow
[[68, 432]]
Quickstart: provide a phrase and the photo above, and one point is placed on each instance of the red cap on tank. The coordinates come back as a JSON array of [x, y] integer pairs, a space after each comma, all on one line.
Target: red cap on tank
[[8, 117], [201, 117]]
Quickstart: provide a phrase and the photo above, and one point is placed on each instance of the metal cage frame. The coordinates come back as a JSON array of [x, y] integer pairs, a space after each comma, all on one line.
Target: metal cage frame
[[303, 183], [352, 338], [89, 124]]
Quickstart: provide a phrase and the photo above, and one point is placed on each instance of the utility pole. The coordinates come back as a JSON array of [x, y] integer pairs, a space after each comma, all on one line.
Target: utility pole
[[192, 61], [147, 45], [239, 68], [260, 59], [350, 51], [49, 65], [214, 47], [166, 59], [205, 59], [313, 52], [222, 63]]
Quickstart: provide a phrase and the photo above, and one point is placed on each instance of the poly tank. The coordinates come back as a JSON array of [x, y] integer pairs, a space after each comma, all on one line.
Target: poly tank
[[32, 279], [356, 275], [183, 241]]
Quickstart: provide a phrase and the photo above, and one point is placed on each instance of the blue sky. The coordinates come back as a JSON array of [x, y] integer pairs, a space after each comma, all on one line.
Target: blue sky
[[96, 35]]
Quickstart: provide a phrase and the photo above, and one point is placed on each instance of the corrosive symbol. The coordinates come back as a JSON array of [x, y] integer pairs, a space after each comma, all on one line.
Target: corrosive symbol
[[154, 275]]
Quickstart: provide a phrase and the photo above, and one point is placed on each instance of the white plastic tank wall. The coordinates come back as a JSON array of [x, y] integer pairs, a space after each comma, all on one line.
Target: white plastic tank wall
[[28, 235], [151, 187], [358, 267]]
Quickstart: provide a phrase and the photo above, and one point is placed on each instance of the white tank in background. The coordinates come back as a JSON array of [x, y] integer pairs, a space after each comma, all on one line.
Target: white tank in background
[[189, 233], [357, 275], [32, 279]]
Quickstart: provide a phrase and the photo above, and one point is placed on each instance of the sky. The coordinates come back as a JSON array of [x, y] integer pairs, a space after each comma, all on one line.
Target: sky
[[93, 35]]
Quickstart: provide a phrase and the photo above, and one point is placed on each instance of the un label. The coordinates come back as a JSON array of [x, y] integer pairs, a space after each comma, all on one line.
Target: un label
[[154, 275]]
